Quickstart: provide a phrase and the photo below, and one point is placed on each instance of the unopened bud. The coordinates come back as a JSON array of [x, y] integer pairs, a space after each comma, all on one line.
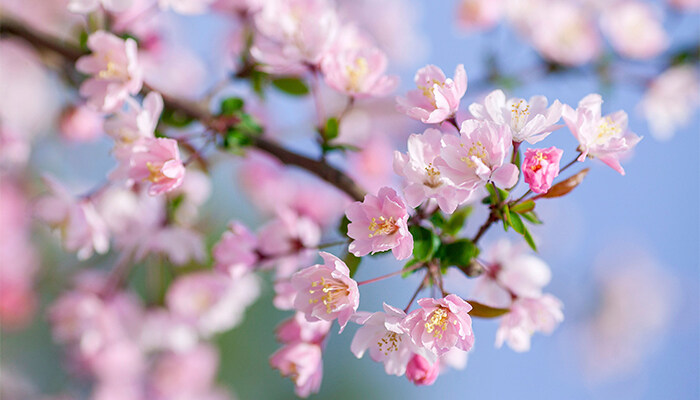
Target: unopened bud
[[473, 270]]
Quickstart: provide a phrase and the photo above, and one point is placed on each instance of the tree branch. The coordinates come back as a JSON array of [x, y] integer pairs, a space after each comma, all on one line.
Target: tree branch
[[71, 53]]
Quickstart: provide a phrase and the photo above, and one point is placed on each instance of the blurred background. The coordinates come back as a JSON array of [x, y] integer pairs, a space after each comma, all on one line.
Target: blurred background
[[623, 250]]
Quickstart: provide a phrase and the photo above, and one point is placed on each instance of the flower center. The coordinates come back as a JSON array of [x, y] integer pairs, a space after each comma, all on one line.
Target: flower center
[[112, 71], [539, 157], [156, 172], [476, 150], [389, 343], [433, 180], [356, 73], [519, 116], [382, 226], [606, 130], [437, 323], [330, 292], [429, 90]]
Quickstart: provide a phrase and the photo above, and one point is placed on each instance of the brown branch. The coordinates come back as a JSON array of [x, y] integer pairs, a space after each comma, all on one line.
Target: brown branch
[[71, 53]]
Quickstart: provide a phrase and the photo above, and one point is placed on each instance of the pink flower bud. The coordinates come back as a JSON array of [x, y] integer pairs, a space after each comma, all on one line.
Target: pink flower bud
[[421, 372], [540, 167], [437, 97]]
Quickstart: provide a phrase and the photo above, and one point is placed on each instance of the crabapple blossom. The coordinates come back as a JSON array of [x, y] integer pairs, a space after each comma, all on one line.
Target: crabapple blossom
[[189, 374], [379, 223], [606, 138], [154, 161], [81, 124], [478, 155], [138, 122], [423, 178], [634, 30], [359, 73], [81, 227], [437, 97], [114, 69], [540, 167], [178, 243], [212, 301], [386, 339], [326, 291], [421, 371], [511, 271], [529, 120], [235, 254], [479, 14], [526, 316], [87, 6], [300, 329], [671, 99], [287, 242], [302, 363], [441, 324]]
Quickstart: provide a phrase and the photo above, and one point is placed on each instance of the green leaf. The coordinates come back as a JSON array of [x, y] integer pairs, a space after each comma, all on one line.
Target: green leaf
[[353, 263], [83, 40], [175, 118], [235, 140], [425, 243], [532, 217], [343, 227], [530, 240], [523, 207], [456, 221], [408, 265], [517, 223], [459, 253], [259, 80], [249, 125], [438, 220], [517, 159], [291, 85], [480, 310], [506, 217], [230, 105], [331, 130]]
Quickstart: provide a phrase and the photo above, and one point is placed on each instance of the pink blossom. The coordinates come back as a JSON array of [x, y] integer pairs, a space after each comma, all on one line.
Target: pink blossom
[[87, 6], [421, 371], [606, 138], [380, 223], [138, 122], [540, 167], [423, 178], [326, 291], [528, 120], [194, 192], [173, 68], [235, 254], [81, 124], [212, 301], [634, 30], [360, 73], [81, 227], [685, 5], [478, 155], [187, 7], [564, 33], [288, 242], [371, 167], [163, 330], [441, 324], [299, 329], [285, 293], [479, 14], [179, 244], [303, 364], [671, 100], [114, 69], [185, 375], [294, 33], [154, 161], [526, 316], [511, 271], [437, 97], [121, 362], [18, 303], [387, 340]]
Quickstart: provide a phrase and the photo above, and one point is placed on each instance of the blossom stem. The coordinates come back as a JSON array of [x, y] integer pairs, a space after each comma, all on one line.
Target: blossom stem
[[415, 294], [379, 278], [453, 121]]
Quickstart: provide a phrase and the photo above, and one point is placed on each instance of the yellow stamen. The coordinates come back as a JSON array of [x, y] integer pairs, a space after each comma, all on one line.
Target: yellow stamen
[[477, 150], [356, 73], [382, 227], [389, 343], [333, 290], [437, 323], [433, 180]]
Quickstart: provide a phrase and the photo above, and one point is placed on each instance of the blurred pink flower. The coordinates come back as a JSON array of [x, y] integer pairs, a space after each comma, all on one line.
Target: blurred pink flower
[[138, 122], [211, 301], [685, 5], [187, 7], [326, 291], [380, 223], [437, 97], [441, 324], [81, 227], [371, 167], [423, 180], [478, 155], [540, 167], [185, 375], [235, 254], [114, 69], [606, 138], [634, 29], [288, 241], [179, 244], [155, 161], [421, 371], [88, 6], [81, 124], [300, 329], [479, 14], [387, 340], [303, 364], [359, 73], [528, 120], [526, 316]]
